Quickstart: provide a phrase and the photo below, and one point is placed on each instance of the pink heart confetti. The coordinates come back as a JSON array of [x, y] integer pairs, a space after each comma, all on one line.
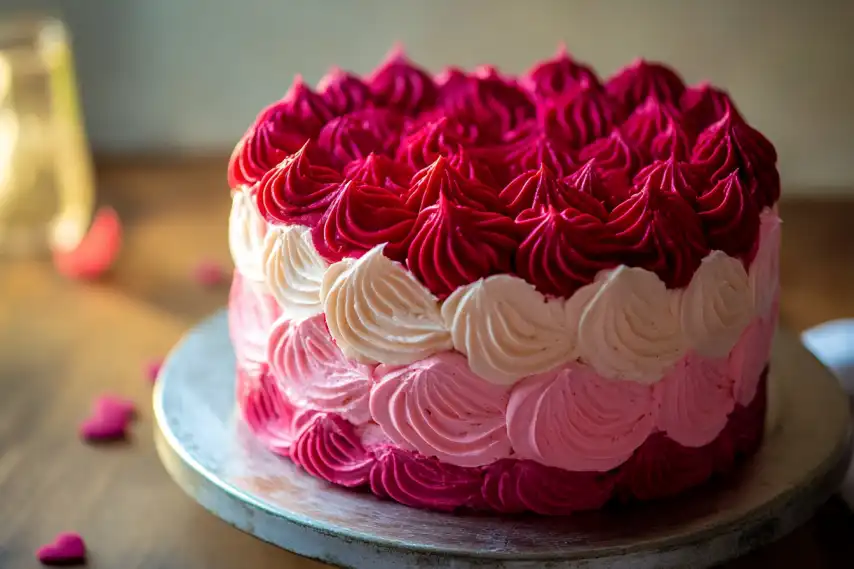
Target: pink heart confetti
[[67, 548], [109, 420], [96, 252], [152, 369], [209, 274]]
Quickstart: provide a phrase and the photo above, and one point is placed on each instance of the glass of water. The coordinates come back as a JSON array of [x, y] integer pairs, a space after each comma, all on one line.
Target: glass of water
[[46, 181]]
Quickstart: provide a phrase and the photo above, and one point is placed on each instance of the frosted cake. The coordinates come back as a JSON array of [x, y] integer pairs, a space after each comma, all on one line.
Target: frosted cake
[[475, 291]]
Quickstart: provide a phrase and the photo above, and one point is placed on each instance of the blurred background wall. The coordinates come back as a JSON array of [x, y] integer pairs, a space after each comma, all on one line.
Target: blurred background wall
[[189, 75]]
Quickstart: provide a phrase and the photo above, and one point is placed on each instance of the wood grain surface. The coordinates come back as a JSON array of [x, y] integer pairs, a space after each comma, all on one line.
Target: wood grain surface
[[62, 343]]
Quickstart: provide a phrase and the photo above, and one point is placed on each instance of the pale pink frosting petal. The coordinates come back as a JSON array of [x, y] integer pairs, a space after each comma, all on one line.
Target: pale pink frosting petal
[[696, 398], [251, 313], [751, 354], [440, 408], [313, 372], [572, 418]]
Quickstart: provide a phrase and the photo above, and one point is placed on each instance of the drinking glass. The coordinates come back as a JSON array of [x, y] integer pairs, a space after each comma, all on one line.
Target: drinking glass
[[46, 183]]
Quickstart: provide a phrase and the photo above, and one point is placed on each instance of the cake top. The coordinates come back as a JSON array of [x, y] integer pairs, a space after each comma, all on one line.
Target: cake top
[[552, 176]]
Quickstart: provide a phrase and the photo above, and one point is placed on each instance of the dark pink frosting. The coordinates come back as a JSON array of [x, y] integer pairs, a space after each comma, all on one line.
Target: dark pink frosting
[[563, 250], [557, 75], [609, 188], [278, 131], [659, 231], [641, 80], [444, 136], [380, 170], [472, 168], [674, 176], [440, 178], [453, 245], [514, 486], [582, 114], [344, 92], [355, 135], [530, 147], [485, 98], [540, 188], [266, 410], [731, 144], [297, 191], [646, 125], [330, 448], [422, 482], [730, 218], [402, 86], [359, 218], [703, 105], [615, 156]]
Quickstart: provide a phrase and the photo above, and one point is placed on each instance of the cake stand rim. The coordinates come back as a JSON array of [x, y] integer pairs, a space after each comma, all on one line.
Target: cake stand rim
[[822, 481]]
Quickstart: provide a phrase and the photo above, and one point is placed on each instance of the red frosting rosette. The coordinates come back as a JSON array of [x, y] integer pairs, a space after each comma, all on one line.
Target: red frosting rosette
[[444, 136], [399, 85], [297, 191], [540, 188], [379, 170], [557, 75], [582, 114], [731, 145], [453, 245], [704, 105], [615, 156], [440, 178], [642, 80], [648, 122], [730, 218], [344, 92], [355, 135], [610, 188]]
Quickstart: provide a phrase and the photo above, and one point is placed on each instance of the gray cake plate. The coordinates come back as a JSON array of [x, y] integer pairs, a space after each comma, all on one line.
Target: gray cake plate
[[208, 453]]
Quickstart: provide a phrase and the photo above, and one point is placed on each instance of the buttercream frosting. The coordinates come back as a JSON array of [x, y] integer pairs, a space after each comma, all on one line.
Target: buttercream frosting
[[293, 271], [507, 329], [765, 270], [312, 371], [378, 312], [246, 233], [631, 327], [440, 408], [574, 419]]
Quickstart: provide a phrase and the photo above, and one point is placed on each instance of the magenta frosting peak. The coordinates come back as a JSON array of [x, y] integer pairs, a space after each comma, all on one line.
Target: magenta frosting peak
[[297, 191], [641, 80], [380, 170], [400, 85], [581, 115], [648, 121], [440, 178], [557, 75], [609, 187], [355, 135], [453, 245], [702, 105], [540, 188], [731, 144], [344, 92]]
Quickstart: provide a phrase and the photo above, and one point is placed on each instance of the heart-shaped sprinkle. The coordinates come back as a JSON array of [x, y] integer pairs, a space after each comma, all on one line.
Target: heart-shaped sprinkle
[[152, 369], [96, 252], [209, 274], [67, 548], [109, 420]]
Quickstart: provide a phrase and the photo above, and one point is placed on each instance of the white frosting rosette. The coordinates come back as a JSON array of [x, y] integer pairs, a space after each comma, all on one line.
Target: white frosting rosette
[[378, 312], [293, 271], [631, 327], [507, 329], [717, 305], [246, 233]]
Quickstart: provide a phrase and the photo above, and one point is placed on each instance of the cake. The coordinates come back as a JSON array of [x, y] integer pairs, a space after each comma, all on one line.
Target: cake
[[472, 291]]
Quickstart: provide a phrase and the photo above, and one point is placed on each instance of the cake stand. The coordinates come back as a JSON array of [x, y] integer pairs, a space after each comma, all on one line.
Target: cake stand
[[208, 453]]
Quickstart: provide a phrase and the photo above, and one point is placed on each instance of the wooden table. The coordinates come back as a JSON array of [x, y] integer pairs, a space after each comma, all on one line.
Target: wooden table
[[65, 342]]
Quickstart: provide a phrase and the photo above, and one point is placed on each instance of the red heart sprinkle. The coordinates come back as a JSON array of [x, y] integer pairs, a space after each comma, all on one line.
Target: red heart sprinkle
[[109, 420], [209, 274], [152, 369], [67, 548], [96, 252]]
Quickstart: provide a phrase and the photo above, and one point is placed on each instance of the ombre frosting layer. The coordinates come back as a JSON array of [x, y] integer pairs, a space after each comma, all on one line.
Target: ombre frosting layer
[[534, 293]]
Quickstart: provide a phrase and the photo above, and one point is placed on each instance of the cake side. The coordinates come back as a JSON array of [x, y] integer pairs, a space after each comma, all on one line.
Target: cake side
[[467, 291]]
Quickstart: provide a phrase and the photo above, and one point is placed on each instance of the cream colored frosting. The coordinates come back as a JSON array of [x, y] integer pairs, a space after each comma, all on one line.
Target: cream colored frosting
[[717, 305], [246, 233], [293, 271], [378, 312], [631, 329], [765, 269], [507, 329]]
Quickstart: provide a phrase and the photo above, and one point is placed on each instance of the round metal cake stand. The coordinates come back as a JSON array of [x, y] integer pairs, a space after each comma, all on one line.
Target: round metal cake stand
[[216, 461]]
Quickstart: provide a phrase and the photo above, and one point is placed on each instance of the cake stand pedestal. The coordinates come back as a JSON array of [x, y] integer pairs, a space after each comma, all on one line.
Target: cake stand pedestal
[[209, 454]]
